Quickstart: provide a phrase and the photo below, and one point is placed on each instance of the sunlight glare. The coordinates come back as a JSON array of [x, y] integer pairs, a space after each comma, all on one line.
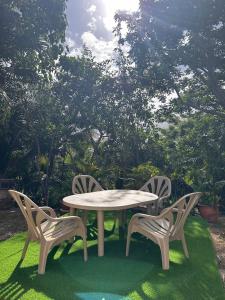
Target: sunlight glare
[[111, 7]]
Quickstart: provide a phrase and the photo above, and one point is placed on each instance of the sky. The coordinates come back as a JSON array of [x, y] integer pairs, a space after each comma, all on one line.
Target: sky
[[91, 22]]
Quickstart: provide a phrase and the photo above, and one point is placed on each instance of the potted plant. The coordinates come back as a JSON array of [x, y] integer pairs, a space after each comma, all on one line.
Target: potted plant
[[208, 207]]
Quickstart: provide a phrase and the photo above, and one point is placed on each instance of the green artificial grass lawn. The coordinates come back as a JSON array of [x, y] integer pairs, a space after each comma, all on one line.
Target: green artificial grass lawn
[[113, 276]]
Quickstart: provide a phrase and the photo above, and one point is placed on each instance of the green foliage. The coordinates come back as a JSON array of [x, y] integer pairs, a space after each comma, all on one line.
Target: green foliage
[[32, 34], [213, 192], [144, 172], [178, 49], [32, 37], [195, 150], [100, 118]]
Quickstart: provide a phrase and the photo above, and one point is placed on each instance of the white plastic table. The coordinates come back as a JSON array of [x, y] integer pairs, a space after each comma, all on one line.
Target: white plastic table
[[107, 200]]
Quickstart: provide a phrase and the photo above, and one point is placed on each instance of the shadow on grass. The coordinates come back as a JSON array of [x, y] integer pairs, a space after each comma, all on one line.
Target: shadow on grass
[[68, 277], [92, 231], [115, 276]]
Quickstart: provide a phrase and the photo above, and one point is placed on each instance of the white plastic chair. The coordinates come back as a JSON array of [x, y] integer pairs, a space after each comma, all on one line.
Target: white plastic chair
[[46, 228], [166, 227], [161, 186], [85, 184]]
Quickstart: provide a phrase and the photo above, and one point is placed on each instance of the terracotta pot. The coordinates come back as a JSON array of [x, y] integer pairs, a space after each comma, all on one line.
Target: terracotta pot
[[209, 213]]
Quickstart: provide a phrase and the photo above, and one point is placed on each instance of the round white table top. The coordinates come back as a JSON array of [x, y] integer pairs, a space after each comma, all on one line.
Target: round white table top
[[109, 199]]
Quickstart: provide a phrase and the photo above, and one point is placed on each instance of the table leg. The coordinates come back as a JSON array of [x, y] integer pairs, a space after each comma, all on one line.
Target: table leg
[[122, 224], [100, 217], [122, 219], [72, 211]]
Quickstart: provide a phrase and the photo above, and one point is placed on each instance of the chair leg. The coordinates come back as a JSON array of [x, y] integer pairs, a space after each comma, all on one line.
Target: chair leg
[[43, 257], [25, 247], [128, 242], [184, 244], [164, 248], [85, 248]]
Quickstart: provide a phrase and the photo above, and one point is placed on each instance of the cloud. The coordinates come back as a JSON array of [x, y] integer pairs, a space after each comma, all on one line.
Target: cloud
[[92, 9], [100, 48], [75, 52], [70, 42], [111, 7], [74, 49], [91, 22], [92, 25]]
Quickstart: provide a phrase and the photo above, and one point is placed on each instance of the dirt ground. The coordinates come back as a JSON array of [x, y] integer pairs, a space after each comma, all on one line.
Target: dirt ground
[[218, 237], [12, 221]]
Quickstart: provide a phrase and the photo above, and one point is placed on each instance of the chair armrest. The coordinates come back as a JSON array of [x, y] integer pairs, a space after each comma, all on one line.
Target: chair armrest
[[41, 217], [166, 215], [77, 220], [145, 216], [61, 219], [46, 208], [50, 210], [176, 210]]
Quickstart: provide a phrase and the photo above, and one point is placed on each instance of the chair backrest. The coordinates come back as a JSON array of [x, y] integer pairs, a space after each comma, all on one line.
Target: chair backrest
[[85, 184], [26, 206], [159, 185], [183, 207]]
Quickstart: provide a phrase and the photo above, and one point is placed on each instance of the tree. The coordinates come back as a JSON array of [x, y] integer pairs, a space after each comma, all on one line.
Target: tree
[[109, 107], [178, 49], [195, 150], [32, 35]]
